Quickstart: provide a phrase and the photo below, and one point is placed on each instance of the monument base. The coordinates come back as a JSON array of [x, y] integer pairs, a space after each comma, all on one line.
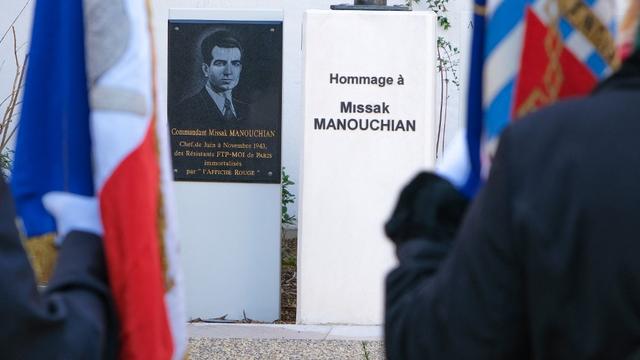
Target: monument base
[[371, 7]]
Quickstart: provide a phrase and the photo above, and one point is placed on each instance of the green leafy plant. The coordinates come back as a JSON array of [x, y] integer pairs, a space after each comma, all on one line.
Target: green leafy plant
[[447, 63], [287, 198], [437, 6], [6, 157]]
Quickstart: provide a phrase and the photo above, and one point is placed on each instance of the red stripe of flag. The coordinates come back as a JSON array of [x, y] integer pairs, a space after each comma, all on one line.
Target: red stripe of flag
[[129, 205]]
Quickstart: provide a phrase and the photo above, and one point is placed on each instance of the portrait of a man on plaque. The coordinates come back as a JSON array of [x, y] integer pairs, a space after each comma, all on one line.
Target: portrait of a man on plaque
[[214, 103], [224, 100]]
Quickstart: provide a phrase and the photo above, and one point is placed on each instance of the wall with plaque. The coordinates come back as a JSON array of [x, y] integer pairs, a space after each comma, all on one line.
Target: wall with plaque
[[224, 107], [369, 103]]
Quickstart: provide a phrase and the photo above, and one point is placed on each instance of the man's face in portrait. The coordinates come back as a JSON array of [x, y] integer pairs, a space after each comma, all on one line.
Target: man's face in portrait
[[224, 71]]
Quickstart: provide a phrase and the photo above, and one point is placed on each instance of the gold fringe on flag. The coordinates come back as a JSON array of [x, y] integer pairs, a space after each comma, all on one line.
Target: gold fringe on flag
[[582, 17], [43, 255]]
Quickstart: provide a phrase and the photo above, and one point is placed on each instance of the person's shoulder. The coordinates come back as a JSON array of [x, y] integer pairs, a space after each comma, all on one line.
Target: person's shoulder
[[571, 136], [579, 119], [551, 118]]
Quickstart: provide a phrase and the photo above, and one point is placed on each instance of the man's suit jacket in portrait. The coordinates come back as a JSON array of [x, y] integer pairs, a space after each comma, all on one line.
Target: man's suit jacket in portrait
[[200, 111]]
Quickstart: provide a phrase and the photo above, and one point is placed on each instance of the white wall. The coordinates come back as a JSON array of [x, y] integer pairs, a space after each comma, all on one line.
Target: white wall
[[292, 58], [292, 63], [292, 100], [460, 13]]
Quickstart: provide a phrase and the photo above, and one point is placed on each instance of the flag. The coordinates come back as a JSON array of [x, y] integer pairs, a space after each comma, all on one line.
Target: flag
[[90, 125], [527, 54], [628, 29]]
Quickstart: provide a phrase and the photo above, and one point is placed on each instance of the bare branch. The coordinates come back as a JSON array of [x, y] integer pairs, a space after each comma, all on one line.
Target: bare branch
[[14, 21], [15, 47], [5, 143], [13, 97], [11, 94], [440, 117], [446, 104], [22, 45], [14, 86], [5, 131], [5, 100], [6, 135], [11, 115]]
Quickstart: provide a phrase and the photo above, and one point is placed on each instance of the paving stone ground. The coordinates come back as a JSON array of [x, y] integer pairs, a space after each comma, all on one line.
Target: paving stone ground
[[235, 341], [276, 349]]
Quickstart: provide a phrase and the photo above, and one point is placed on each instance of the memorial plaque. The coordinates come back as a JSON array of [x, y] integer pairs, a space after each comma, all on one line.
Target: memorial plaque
[[225, 100]]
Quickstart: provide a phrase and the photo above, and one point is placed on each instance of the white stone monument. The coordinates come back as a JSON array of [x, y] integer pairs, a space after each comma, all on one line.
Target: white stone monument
[[369, 109]]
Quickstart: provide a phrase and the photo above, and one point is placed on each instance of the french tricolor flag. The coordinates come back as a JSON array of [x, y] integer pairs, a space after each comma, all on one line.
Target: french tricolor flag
[[90, 125]]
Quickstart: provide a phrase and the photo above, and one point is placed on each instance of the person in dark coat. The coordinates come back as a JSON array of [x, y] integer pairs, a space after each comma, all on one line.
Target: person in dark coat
[[546, 263], [73, 317], [214, 106]]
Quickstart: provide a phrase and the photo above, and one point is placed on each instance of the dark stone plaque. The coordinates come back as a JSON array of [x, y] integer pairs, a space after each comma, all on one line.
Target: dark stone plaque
[[225, 100]]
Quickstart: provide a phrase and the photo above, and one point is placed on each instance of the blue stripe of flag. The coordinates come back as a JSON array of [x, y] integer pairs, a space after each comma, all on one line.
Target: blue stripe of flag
[[505, 18], [613, 28], [474, 113], [565, 28], [499, 111], [596, 63], [53, 141]]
